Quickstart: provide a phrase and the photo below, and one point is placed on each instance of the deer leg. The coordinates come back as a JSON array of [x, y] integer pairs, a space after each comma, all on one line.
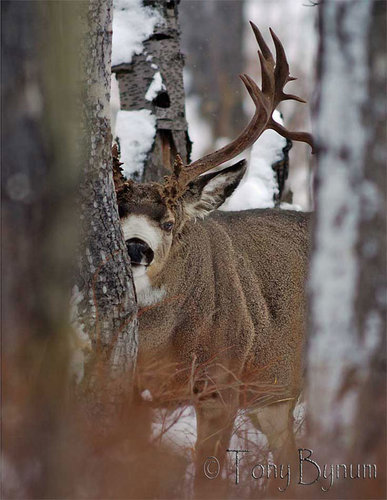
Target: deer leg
[[277, 423], [214, 429]]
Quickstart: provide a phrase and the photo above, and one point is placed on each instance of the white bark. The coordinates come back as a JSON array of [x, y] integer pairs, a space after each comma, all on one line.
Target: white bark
[[347, 277]]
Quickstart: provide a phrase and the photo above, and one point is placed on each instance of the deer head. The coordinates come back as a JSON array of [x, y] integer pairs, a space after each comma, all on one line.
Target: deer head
[[153, 215]]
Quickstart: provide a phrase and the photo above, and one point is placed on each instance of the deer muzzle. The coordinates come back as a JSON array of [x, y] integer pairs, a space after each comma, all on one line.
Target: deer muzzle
[[140, 252]]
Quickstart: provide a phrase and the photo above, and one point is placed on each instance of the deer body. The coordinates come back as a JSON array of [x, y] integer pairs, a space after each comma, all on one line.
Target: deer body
[[232, 308], [239, 309], [221, 294]]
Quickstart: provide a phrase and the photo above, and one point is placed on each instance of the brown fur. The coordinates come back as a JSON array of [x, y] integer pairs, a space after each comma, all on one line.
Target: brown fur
[[229, 331], [235, 293]]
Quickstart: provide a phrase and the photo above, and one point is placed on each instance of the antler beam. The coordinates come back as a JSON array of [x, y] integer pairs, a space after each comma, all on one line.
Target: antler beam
[[275, 75]]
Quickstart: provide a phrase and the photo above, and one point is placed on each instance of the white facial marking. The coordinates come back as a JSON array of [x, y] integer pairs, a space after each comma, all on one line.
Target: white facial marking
[[146, 294], [139, 226], [138, 271]]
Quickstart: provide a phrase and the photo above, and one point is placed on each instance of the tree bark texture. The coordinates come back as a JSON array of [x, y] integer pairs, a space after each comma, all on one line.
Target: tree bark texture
[[161, 54], [347, 350], [39, 182], [106, 300]]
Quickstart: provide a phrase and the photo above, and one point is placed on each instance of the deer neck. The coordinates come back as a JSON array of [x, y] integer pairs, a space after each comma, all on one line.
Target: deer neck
[[147, 292], [153, 288]]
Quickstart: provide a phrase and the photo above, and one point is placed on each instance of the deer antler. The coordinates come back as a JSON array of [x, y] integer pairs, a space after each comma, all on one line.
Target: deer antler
[[275, 75], [118, 177], [121, 184]]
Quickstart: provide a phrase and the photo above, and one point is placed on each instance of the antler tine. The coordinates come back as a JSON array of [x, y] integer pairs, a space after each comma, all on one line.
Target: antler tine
[[266, 61], [281, 72], [274, 78], [254, 91], [118, 177], [288, 97], [267, 77], [294, 136], [262, 44]]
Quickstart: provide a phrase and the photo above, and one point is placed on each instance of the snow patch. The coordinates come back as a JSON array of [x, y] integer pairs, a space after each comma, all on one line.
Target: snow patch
[[132, 24], [259, 186], [178, 428], [136, 131], [290, 206], [155, 87], [115, 102]]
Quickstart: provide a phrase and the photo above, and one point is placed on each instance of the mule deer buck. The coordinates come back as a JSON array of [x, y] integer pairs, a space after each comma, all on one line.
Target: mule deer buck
[[221, 294]]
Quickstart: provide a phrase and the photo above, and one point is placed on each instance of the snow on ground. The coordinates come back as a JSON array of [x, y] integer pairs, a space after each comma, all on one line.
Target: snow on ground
[[132, 24], [135, 131], [177, 429]]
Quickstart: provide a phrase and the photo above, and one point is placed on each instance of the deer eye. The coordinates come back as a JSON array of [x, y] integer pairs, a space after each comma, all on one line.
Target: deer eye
[[167, 226]]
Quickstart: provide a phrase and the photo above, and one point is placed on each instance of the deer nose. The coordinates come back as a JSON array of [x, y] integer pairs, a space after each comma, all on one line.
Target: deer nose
[[139, 251]]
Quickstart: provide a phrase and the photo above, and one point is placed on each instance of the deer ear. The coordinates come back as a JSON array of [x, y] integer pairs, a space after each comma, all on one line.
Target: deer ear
[[208, 192]]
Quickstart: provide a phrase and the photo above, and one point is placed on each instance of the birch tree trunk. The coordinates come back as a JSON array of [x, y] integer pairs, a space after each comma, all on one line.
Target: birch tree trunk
[[160, 57], [104, 294], [347, 351], [39, 182]]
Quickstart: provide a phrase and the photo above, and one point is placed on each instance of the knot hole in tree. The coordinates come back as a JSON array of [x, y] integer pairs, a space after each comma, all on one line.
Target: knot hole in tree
[[162, 100]]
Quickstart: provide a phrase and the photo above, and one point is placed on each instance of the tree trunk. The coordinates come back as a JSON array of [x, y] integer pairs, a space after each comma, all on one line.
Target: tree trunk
[[39, 182], [160, 58], [104, 294], [347, 351]]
